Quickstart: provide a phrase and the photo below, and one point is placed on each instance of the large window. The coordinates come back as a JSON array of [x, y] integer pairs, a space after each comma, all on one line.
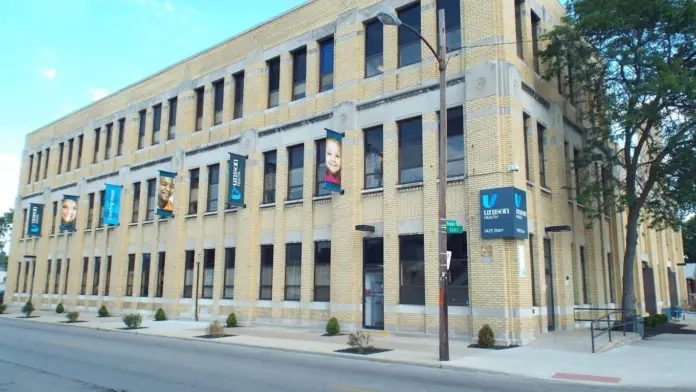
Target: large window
[[293, 271], [199, 108], [374, 153], [576, 167], [412, 260], [71, 143], [299, 74], [535, 40], [97, 137], [458, 282], [319, 188], [193, 191], [90, 211], [107, 282], [518, 28], [525, 130], [145, 276], [141, 129], [610, 271], [228, 290], [188, 274], [409, 42], [121, 135], [273, 82], [532, 270], [295, 172], [218, 101], [213, 181], [83, 285], [151, 199], [322, 271], [95, 277], [56, 279], [374, 48], [171, 126], [161, 258], [208, 272], [568, 159], [410, 151], [238, 94], [48, 276], [102, 200], [269, 177], [65, 278], [326, 64], [156, 123], [129, 277], [266, 281], [455, 143], [38, 166], [453, 25], [48, 154], [53, 218], [583, 275], [81, 142], [136, 203], [109, 135], [542, 167], [31, 167]]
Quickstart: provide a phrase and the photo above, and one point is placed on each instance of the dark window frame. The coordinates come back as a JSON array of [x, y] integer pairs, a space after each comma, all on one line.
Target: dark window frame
[[407, 39], [96, 275], [295, 162], [541, 133], [194, 189], [536, 26], [270, 171], [145, 275], [373, 155], [200, 100], [161, 265], [299, 73], [374, 48], [173, 105], [411, 293], [218, 101], [213, 196], [130, 275], [453, 24], [407, 155], [71, 144], [320, 169], [151, 200], [109, 135], [273, 66], [97, 141], [208, 279], [90, 210], [189, 266], [266, 290], [326, 66], [142, 115], [121, 135], [322, 260], [230, 261], [238, 95], [83, 282], [135, 213], [293, 272], [156, 124]]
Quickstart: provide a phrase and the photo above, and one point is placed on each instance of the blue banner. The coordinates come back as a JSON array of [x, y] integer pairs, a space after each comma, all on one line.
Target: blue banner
[[68, 213], [35, 220], [237, 179], [112, 204], [332, 160], [165, 194]]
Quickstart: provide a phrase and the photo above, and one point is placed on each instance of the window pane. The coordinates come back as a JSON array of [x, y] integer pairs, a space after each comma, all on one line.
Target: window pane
[[219, 89], [458, 281], [238, 95], [411, 255], [322, 270], [409, 42], [320, 190], [373, 157], [326, 64], [266, 281], [141, 129], [410, 151], [295, 172], [173, 104], [453, 39], [269, 177], [213, 181], [156, 122], [374, 48], [299, 74], [273, 82], [455, 143], [193, 191]]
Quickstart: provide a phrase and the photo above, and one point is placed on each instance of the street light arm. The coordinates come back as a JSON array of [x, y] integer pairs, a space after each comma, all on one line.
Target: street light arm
[[424, 40]]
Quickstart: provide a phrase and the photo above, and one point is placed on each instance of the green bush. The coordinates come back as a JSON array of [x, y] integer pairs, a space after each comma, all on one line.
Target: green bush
[[133, 320], [661, 319], [103, 312], [160, 316], [650, 321], [231, 320], [215, 329], [486, 338], [332, 327], [3, 308], [360, 341], [72, 316], [59, 308], [28, 308]]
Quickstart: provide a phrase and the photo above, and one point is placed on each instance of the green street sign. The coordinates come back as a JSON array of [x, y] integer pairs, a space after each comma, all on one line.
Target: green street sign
[[455, 229], [451, 223]]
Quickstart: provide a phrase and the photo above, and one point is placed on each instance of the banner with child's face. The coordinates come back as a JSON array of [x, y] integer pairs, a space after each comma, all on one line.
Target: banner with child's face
[[68, 213], [334, 146], [165, 194]]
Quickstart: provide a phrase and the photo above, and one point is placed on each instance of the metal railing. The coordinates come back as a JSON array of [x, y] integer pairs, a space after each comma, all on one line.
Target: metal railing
[[611, 324], [580, 314]]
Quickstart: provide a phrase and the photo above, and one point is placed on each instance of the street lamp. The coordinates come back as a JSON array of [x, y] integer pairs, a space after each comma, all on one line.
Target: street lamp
[[390, 18]]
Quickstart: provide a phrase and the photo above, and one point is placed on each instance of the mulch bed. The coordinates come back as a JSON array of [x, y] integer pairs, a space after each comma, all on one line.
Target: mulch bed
[[28, 317], [669, 328], [340, 334], [131, 329], [214, 337], [365, 352], [492, 348], [73, 322]]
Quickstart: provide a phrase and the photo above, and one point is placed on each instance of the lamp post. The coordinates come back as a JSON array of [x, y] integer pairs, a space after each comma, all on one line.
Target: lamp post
[[390, 18]]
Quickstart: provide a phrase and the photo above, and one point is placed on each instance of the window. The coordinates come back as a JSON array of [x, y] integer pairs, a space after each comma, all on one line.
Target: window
[[188, 275], [171, 125], [518, 28], [299, 74], [566, 153], [374, 48], [213, 183], [409, 43], [83, 287], [48, 154], [412, 260], [97, 141], [576, 156], [121, 131], [228, 290], [56, 278], [71, 142], [219, 99], [453, 30], [151, 198], [19, 272], [24, 223], [156, 123], [38, 166], [145, 276], [374, 146], [107, 282], [161, 258], [48, 276], [458, 280], [607, 193], [535, 40], [65, 279], [80, 140], [199, 109], [322, 271], [273, 82], [95, 277], [129, 277], [542, 167], [53, 218], [266, 283], [269, 177], [238, 94], [455, 143], [610, 271], [326, 64], [90, 212], [531, 270], [26, 276], [293, 274], [525, 130], [31, 168], [193, 191], [583, 275], [410, 151], [295, 172], [208, 272], [109, 134], [320, 175], [102, 200], [141, 129], [136, 202]]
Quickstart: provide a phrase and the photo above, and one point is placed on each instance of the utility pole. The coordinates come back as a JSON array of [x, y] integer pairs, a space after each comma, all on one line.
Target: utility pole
[[197, 285]]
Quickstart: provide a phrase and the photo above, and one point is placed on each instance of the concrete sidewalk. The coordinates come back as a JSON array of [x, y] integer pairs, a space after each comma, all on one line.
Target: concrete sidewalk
[[664, 361]]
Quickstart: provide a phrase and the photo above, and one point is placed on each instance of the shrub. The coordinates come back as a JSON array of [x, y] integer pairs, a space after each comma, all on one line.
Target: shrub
[[72, 316], [360, 341], [486, 338], [661, 319], [28, 308], [133, 320], [103, 312], [3, 308], [59, 308], [332, 327], [231, 320], [160, 316], [215, 329], [650, 321]]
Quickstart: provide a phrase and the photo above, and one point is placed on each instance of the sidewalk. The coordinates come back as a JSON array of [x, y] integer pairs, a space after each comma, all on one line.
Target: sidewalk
[[664, 361]]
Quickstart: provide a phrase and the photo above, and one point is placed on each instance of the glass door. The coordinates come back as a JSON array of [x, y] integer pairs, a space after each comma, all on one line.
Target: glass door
[[373, 283]]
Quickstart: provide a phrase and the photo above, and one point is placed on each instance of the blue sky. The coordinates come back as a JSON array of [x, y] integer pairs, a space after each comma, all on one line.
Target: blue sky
[[61, 55]]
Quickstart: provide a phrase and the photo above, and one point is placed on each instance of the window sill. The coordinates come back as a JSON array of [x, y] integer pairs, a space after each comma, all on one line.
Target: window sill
[[210, 213], [133, 224], [320, 198], [189, 216], [374, 77], [571, 201], [580, 206], [410, 185], [372, 190], [148, 222], [99, 229], [228, 210], [530, 184], [324, 93], [267, 205], [409, 66], [456, 179], [88, 230], [292, 202], [545, 190]]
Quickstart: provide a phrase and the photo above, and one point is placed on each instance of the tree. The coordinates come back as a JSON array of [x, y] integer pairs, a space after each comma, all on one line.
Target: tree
[[630, 68], [689, 233], [5, 234]]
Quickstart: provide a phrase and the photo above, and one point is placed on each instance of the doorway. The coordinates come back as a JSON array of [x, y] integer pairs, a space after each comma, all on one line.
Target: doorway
[[649, 289], [550, 303], [373, 283], [673, 296]]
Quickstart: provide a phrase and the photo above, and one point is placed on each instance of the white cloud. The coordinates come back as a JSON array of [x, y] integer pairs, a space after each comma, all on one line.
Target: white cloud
[[98, 93], [49, 73]]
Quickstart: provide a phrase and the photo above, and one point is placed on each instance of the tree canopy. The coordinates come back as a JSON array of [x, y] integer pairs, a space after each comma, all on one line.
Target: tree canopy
[[5, 234]]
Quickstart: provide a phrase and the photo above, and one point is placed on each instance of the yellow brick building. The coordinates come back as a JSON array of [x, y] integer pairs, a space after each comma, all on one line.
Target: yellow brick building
[[296, 254]]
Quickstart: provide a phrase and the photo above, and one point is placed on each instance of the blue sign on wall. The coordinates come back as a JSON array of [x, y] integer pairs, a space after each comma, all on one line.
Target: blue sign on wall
[[113, 204], [503, 213]]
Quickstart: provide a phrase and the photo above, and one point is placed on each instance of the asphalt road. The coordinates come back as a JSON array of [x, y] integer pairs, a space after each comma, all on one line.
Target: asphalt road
[[44, 357]]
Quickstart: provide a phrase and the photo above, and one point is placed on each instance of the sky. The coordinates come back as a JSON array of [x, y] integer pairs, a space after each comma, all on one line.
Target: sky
[[61, 55]]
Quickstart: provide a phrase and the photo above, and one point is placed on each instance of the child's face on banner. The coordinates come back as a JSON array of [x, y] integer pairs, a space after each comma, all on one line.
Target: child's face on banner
[[68, 211], [333, 156], [166, 190]]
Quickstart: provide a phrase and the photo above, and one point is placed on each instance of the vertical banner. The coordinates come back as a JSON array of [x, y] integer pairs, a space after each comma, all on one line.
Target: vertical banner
[[35, 217], [237, 180], [113, 204], [165, 194], [334, 146], [68, 213]]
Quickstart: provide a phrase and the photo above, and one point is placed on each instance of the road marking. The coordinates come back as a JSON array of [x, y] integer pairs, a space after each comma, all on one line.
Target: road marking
[[69, 344], [586, 377], [351, 389]]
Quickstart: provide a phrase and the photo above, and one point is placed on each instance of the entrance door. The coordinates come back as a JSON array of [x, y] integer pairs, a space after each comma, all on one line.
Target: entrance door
[[649, 290], [673, 296], [550, 303], [373, 283]]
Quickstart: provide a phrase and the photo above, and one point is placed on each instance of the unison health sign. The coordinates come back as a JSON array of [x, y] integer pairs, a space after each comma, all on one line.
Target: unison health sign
[[503, 213]]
